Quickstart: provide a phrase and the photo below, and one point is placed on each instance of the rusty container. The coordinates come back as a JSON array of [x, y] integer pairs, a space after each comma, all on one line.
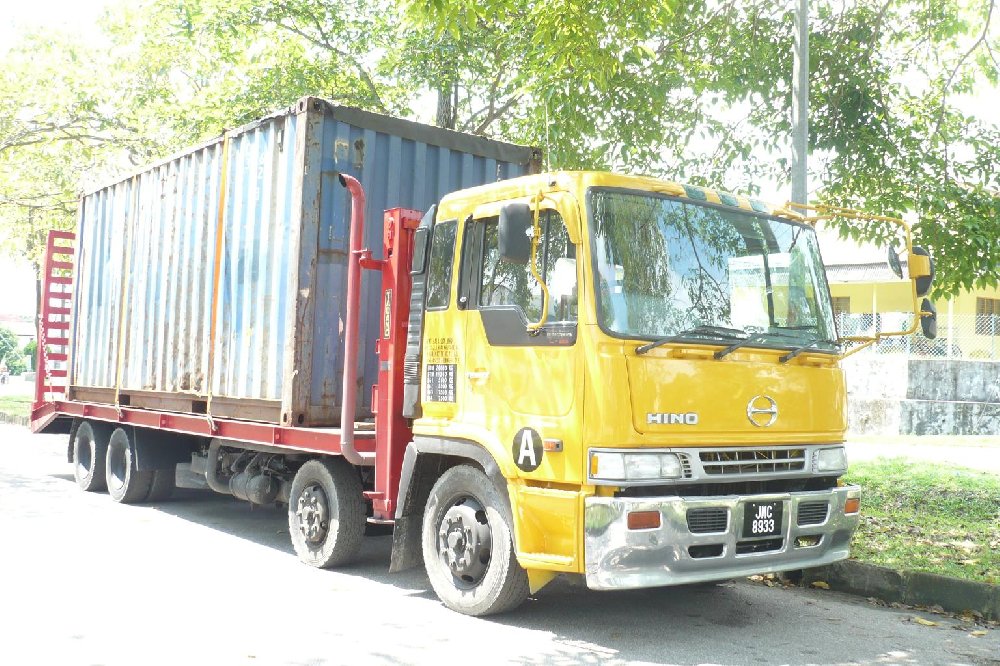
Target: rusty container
[[215, 281]]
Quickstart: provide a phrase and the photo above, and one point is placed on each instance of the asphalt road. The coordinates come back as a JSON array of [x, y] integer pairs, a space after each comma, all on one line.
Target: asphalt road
[[204, 579]]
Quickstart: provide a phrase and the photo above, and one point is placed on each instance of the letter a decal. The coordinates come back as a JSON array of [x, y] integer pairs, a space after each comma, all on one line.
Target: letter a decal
[[527, 449]]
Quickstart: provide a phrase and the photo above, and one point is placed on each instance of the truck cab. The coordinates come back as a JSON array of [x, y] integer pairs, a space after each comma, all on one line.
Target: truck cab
[[652, 371]]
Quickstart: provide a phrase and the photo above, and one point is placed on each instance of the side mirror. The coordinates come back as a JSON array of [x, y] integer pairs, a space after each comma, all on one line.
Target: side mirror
[[513, 240], [894, 264], [928, 323], [921, 265]]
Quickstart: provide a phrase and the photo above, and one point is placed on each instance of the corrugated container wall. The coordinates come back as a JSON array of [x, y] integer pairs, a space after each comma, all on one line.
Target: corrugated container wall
[[240, 313]]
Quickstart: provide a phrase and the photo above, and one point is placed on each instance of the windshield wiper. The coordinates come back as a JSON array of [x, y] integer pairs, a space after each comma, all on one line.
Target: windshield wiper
[[798, 350], [760, 337], [704, 330]]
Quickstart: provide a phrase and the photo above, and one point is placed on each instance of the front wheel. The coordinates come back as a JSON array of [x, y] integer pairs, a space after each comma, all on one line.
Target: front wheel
[[326, 513], [468, 545]]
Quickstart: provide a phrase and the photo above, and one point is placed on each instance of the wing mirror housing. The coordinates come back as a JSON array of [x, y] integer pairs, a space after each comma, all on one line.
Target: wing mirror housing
[[921, 266], [928, 319], [513, 239]]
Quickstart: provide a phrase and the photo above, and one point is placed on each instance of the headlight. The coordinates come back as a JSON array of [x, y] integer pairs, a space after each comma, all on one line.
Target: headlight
[[830, 460], [633, 466]]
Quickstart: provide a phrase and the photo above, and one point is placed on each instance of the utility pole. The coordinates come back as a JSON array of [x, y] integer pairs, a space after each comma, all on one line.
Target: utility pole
[[800, 104]]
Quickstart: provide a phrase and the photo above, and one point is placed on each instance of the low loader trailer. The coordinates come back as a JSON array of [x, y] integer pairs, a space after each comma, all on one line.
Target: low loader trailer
[[524, 374]]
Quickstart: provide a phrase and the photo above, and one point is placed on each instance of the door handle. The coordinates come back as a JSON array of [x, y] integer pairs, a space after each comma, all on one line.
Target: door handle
[[478, 375]]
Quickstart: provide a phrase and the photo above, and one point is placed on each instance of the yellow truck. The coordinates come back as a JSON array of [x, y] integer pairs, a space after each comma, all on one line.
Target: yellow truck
[[614, 377]]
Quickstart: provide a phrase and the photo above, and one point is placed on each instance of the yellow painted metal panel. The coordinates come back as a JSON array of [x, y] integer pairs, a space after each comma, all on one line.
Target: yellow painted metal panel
[[546, 524]]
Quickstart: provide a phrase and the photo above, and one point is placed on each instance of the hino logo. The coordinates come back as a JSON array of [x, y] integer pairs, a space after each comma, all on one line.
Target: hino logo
[[671, 418], [762, 411]]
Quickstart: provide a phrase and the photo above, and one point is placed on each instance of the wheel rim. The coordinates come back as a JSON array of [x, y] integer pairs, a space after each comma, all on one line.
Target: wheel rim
[[313, 514], [84, 459], [465, 542], [117, 466]]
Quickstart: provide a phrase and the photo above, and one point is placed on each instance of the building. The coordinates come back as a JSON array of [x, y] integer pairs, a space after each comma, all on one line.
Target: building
[[867, 294]]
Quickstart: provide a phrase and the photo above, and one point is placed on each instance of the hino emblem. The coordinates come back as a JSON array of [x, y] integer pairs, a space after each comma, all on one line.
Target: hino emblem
[[762, 411], [671, 418]]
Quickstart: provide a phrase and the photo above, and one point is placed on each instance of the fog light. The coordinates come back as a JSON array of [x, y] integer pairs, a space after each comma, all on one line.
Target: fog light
[[643, 520], [808, 541], [852, 505]]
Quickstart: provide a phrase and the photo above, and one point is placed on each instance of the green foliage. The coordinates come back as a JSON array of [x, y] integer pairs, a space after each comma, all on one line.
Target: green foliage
[[698, 91], [30, 351], [10, 352], [925, 517]]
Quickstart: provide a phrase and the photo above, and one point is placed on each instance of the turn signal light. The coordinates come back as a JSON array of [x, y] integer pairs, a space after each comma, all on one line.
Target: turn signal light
[[852, 505], [643, 520]]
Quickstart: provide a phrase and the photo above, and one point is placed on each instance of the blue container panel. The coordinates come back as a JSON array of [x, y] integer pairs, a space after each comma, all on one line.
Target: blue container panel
[[396, 172]]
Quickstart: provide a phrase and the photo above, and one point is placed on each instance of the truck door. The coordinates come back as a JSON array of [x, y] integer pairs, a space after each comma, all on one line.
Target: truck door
[[521, 386]]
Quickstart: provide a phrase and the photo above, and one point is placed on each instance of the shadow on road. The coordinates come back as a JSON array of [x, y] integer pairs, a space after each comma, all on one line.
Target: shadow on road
[[563, 607], [568, 624]]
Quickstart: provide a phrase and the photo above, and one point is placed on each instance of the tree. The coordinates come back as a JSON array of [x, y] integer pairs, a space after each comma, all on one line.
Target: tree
[[30, 352], [696, 91], [10, 352], [701, 91]]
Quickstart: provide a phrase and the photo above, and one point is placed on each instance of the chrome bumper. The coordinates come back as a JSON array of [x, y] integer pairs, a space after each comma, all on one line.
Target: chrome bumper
[[620, 558]]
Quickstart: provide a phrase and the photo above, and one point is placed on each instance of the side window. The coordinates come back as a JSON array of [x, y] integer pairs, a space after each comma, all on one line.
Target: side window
[[503, 283], [440, 266]]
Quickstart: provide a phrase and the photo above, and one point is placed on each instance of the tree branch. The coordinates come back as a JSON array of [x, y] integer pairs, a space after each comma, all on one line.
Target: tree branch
[[958, 66], [323, 41]]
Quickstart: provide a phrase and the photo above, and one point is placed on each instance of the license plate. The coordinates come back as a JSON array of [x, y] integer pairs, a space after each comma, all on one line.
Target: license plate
[[761, 519]]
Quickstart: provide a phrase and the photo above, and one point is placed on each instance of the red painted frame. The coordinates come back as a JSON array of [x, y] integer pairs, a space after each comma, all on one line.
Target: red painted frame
[[392, 431]]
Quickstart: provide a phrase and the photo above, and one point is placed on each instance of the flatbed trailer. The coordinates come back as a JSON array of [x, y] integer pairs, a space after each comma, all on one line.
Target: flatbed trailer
[[379, 443]]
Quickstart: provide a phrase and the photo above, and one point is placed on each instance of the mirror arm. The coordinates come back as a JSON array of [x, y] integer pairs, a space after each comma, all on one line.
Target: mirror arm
[[535, 234]]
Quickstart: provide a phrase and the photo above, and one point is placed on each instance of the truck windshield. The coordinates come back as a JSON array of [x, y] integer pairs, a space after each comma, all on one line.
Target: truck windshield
[[667, 267]]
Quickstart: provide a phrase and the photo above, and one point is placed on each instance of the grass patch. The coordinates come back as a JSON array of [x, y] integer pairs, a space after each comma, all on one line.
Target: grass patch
[[924, 517], [16, 405]]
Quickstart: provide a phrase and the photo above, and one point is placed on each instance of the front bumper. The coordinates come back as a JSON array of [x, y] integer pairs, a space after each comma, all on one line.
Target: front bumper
[[620, 558]]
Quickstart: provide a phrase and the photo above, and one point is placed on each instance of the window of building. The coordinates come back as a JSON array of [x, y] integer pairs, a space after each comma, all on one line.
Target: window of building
[[841, 305], [988, 316], [439, 269], [503, 283]]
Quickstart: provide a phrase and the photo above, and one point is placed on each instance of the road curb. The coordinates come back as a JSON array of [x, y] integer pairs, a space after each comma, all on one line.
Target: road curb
[[915, 588], [14, 419]]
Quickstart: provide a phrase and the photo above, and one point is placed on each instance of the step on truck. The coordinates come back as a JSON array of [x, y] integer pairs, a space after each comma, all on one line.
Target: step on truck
[[524, 374]]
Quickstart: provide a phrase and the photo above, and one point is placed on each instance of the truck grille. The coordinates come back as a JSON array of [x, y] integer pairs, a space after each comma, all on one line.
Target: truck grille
[[752, 461], [708, 520], [813, 513]]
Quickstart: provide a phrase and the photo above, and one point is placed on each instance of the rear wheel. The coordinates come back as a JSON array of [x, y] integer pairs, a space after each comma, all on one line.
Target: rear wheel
[[326, 513], [468, 545], [89, 452], [126, 484]]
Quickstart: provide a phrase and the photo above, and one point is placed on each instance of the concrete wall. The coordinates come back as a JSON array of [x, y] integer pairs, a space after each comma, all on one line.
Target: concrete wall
[[895, 396]]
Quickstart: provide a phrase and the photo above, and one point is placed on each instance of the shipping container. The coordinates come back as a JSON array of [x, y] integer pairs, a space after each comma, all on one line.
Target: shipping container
[[214, 282]]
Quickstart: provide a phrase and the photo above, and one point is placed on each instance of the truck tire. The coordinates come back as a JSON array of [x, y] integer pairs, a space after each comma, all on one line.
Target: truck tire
[[126, 484], [326, 513], [90, 447], [163, 485], [468, 545]]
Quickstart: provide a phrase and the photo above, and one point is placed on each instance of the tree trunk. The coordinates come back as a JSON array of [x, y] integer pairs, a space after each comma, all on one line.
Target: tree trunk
[[447, 111]]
